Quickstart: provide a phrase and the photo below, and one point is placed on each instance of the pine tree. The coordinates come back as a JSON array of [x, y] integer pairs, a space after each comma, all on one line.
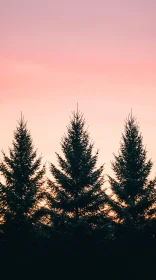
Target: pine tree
[[76, 199], [23, 174], [133, 193]]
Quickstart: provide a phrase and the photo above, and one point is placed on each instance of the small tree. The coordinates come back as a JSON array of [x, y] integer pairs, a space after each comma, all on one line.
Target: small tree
[[133, 194], [24, 177], [76, 199]]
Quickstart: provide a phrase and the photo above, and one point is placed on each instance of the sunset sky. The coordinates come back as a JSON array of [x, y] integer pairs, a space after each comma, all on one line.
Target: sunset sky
[[99, 53]]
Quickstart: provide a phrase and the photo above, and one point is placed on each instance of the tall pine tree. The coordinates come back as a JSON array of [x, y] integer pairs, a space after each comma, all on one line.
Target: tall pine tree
[[23, 176], [76, 199], [133, 193]]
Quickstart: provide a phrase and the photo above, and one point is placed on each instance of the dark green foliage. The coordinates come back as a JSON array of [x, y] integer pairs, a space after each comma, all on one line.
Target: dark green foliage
[[133, 192], [76, 199], [24, 177]]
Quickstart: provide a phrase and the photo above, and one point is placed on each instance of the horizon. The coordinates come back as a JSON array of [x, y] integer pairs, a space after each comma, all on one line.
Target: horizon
[[55, 162]]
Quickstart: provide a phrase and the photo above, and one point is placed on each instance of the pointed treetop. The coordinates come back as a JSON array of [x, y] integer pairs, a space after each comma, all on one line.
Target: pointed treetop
[[131, 119], [131, 114], [77, 113], [21, 115], [21, 121], [22, 118]]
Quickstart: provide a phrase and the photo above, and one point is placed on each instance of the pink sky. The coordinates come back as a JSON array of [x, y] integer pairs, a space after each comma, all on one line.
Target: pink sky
[[101, 54]]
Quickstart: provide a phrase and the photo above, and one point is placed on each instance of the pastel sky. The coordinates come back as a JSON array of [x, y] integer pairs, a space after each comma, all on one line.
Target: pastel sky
[[99, 53]]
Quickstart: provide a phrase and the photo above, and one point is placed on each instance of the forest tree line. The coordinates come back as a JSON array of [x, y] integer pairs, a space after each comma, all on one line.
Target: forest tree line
[[73, 212]]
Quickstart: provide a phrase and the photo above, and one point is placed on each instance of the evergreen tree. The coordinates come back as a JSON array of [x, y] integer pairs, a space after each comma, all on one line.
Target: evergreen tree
[[23, 179], [76, 199], [133, 194]]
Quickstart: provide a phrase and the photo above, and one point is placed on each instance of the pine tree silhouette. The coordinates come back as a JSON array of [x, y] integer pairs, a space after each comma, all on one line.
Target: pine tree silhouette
[[133, 194], [24, 177], [76, 199]]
